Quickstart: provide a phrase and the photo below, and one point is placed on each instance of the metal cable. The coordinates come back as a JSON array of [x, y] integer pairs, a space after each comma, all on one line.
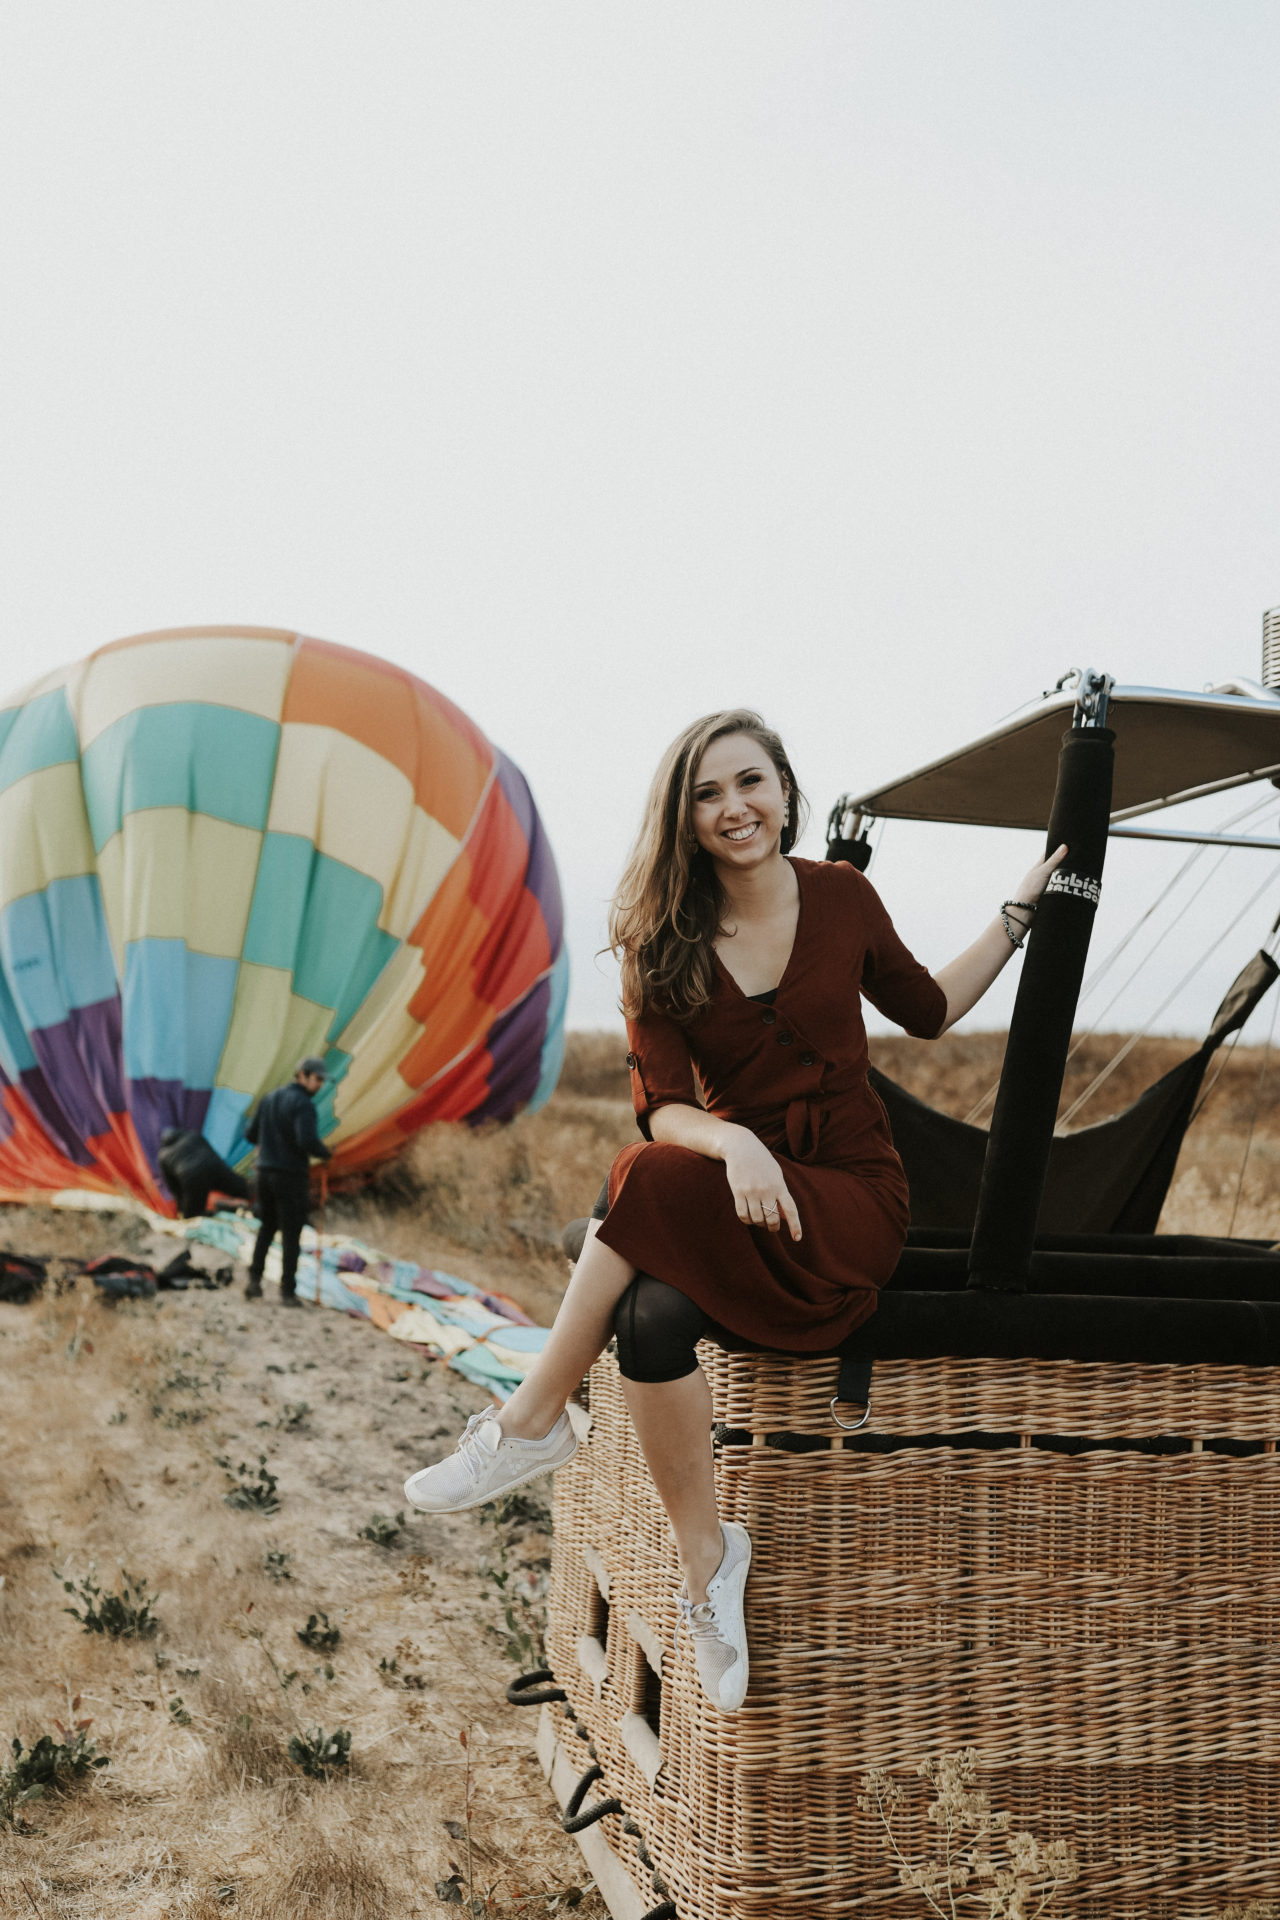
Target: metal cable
[[1253, 1117], [1203, 1101], [1104, 966], [1088, 1032], [1223, 1061], [1124, 1051]]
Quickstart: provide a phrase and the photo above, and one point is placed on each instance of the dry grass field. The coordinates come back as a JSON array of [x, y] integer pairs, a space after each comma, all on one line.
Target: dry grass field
[[118, 1420]]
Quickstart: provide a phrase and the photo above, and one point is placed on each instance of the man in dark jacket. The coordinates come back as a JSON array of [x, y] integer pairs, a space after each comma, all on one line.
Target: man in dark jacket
[[284, 1131]]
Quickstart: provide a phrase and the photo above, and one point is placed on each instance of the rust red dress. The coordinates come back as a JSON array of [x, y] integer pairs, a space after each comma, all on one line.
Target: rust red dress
[[794, 1072]]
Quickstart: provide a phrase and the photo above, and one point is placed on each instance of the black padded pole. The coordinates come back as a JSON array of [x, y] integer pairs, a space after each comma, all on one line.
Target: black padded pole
[[1013, 1172]]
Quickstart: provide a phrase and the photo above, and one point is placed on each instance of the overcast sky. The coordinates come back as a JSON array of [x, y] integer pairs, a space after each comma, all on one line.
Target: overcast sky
[[868, 363]]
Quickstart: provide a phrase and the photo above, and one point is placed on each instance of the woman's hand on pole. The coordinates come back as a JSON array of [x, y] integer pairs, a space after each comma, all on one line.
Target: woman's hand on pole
[[965, 979], [756, 1183], [1037, 879]]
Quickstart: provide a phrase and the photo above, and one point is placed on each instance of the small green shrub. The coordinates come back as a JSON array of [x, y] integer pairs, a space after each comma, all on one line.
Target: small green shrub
[[319, 1753], [318, 1634], [520, 1511], [402, 1669], [381, 1530], [182, 1380], [521, 1584], [251, 1492], [125, 1615], [292, 1415], [276, 1565], [49, 1767]]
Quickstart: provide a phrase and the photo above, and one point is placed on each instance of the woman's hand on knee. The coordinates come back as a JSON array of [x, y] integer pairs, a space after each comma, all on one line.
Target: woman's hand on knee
[[759, 1191]]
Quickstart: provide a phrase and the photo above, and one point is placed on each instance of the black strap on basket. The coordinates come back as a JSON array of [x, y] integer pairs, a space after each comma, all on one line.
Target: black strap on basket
[[534, 1689], [665, 1912], [854, 1389], [575, 1822]]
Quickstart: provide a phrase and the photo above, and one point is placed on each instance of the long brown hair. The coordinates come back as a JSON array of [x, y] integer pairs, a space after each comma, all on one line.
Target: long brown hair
[[669, 903]]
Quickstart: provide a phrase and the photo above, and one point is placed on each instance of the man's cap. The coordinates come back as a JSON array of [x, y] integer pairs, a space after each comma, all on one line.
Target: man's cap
[[313, 1065]]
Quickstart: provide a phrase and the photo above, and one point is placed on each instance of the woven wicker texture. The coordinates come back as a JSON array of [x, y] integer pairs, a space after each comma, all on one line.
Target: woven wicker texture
[[1102, 1625]]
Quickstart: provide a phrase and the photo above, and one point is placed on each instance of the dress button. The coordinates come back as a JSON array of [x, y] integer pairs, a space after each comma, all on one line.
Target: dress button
[[807, 1059], [631, 1060], [785, 1039], [768, 1016]]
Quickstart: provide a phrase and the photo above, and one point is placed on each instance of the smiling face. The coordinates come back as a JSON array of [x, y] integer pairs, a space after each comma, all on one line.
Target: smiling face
[[739, 807]]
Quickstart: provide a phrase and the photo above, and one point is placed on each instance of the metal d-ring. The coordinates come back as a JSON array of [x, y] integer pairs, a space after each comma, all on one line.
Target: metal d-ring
[[847, 1426]]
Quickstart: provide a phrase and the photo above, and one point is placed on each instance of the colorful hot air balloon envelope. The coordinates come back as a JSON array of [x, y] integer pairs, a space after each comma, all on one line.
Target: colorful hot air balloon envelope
[[222, 849]]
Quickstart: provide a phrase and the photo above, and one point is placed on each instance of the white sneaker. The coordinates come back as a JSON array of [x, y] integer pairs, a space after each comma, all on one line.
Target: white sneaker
[[716, 1625], [486, 1465]]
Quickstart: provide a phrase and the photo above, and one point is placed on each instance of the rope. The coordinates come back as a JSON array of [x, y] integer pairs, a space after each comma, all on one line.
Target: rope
[[532, 1689], [1253, 1117], [574, 1821], [1123, 1052]]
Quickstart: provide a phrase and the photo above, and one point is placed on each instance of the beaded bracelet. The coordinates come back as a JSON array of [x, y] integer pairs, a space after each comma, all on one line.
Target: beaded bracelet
[[1027, 906]]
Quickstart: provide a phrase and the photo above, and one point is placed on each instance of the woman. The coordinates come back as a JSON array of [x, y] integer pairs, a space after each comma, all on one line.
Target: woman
[[765, 1210]]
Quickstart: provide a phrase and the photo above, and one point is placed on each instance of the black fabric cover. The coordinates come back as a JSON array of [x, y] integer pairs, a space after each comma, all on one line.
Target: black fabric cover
[[1175, 1300], [1109, 1178], [1135, 1266], [970, 1323], [1017, 1161]]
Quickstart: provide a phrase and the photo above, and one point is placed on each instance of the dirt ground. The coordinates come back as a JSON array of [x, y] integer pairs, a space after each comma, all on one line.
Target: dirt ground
[[118, 1421]]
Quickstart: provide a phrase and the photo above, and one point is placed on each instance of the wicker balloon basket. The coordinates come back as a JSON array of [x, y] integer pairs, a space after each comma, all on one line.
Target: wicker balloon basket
[[1073, 1568]]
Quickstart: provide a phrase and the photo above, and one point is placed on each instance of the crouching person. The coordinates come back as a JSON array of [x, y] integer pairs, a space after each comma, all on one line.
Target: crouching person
[[192, 1170]]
